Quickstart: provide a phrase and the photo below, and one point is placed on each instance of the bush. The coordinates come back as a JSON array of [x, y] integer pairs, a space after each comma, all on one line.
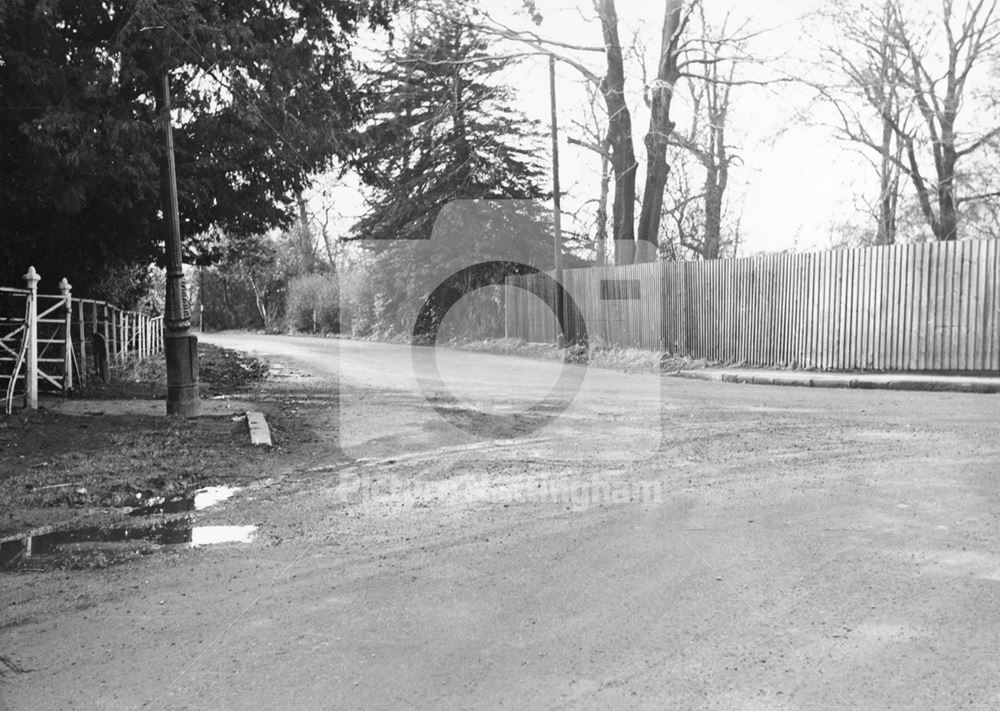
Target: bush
[[313, 304]]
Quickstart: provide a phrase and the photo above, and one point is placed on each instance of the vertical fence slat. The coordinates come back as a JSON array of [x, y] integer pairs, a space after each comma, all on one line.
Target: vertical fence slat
[[992, 331], [920, 308], [894, 306], [840, 281], [962, 328], [977, 331]]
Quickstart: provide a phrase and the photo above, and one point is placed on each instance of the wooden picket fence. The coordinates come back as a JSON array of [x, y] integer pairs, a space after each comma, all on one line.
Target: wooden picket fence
[[908, 307], [53, 342]]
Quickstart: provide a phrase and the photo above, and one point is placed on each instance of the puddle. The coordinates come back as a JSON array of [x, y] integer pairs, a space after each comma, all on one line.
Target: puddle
[[182, 531], [177, 532], [210, 535], [200, 499]]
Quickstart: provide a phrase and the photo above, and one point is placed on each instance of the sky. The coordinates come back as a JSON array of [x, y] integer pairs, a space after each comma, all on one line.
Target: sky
[[795, 181]]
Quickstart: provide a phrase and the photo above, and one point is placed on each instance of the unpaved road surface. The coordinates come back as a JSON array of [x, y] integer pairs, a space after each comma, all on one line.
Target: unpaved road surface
[[661, 544]]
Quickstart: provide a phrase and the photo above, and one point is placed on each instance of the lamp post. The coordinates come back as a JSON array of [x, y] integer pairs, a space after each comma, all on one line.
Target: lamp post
[[179, 345]]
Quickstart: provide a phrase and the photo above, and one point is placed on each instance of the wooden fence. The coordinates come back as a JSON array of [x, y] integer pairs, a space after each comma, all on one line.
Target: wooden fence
[[909, 307], [52, 342]]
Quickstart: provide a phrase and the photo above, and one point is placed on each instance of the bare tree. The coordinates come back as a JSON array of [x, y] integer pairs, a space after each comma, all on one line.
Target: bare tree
[[660, 128], [708, 63], [619, 137], [867, 60], [915, 78], [619, 133], [710, 77], [593, 128]]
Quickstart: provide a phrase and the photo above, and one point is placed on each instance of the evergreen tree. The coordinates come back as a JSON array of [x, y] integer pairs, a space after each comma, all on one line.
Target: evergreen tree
[[444, 129], [264, 96]]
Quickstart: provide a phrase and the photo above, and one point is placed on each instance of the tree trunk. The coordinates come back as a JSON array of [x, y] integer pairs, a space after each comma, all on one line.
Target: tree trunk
[[602, 212], [330, 256], [713, 215], [886, 94], [888, 189], [660, 128], [623, 161], [260, 302], [717, 174], [947, 203], [306, 247]]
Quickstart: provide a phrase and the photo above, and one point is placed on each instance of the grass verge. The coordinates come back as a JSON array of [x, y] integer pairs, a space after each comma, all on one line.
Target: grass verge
[[596, 354], [59, 469]]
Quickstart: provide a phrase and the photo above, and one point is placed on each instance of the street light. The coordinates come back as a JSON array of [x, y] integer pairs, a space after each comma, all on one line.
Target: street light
[[179, 344]]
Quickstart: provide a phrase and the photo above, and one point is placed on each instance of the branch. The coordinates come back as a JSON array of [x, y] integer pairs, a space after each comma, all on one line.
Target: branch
[[527, 36], [980, 196], [978, 143], [467, 60], [600, 149], [743, 82]]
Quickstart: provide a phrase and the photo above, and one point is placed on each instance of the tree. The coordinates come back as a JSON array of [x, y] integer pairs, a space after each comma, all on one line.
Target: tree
[[263, 98], [619, 137], [245, 286], [915, 76], [711, 60], [660, 128], [593, 129], [707, 62], [867, 59], [443, 130], [623, 161]]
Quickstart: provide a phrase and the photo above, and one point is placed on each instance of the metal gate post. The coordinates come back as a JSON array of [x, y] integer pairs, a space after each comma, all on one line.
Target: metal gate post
[[31, 361], [65, 288]]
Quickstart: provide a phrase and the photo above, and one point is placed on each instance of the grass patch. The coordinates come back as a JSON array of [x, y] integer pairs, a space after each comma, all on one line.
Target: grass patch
[[595, 354], [58, 467]]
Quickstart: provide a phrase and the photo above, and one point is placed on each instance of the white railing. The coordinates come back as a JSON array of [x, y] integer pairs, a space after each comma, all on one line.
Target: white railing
[[61, 340]]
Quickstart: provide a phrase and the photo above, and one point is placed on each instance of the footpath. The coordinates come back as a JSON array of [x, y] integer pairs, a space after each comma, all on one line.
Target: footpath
[[862, 381]]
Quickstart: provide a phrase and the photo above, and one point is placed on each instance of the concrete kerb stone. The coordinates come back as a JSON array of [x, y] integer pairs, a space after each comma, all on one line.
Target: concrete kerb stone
[[962, 384]]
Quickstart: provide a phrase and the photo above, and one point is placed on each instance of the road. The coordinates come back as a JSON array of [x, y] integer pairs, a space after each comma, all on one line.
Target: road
[[658, 543]]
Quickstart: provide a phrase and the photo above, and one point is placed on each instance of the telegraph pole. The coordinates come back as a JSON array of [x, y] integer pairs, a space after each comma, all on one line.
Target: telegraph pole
[[557, 213], [179, 344]]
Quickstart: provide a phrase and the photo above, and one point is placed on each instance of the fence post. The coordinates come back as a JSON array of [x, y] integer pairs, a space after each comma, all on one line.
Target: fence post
[[113, 327], [105, 325], [122, 338], [65, 288], [82, 372], [31, 361], [101, 351]]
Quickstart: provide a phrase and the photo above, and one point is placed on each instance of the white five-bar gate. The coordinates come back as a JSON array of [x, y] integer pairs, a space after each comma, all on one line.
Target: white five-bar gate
[[49, 342]]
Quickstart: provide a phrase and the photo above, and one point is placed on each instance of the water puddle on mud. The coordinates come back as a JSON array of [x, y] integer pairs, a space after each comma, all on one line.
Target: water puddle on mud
[[24, 551], [200, 499]]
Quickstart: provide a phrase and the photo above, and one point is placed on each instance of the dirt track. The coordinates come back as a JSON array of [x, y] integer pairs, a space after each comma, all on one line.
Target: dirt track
[[663, 544]]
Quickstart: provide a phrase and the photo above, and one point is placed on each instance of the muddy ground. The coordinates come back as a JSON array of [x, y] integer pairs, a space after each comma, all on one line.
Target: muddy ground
[[91, 459], [778, 548]]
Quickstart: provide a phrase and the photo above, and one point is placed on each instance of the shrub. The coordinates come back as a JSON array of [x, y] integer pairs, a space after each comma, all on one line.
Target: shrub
[[313, 304]]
